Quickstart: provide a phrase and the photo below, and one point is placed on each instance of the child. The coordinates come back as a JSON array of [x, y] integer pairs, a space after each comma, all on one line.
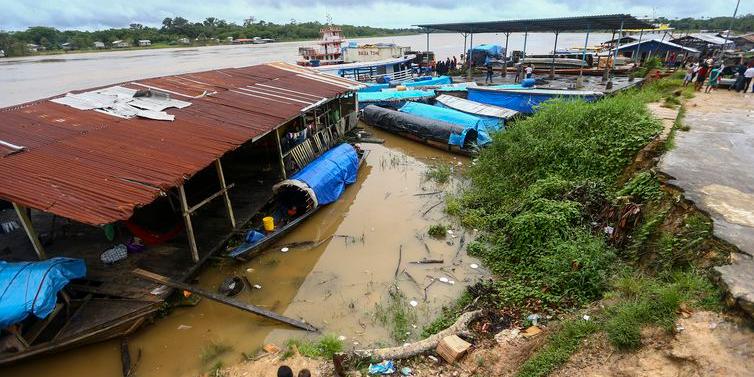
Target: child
[[689, 76]]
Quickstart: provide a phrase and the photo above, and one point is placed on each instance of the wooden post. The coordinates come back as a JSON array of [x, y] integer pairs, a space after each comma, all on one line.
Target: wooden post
[[187, 221], [224, 188], [280, 153], [29, 228], [468, 55], [554, 51], [505, 57]]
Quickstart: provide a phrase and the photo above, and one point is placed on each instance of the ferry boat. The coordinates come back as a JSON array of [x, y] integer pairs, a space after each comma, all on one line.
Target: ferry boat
[[327, 51]]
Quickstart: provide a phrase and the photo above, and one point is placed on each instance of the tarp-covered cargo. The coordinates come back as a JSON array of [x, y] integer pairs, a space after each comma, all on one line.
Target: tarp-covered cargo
[[484, 53], [467, 121], [32, 287], [420, 128], [525, 100]]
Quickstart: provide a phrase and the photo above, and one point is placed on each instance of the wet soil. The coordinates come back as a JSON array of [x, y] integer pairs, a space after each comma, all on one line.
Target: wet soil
[[335, 286]]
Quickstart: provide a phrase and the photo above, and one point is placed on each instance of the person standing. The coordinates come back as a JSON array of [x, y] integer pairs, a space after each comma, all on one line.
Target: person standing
[[748, 75], [455, 62], [488, 78], [529, 71], [701, 75], [689, 76], [740, 71], [714, 79]]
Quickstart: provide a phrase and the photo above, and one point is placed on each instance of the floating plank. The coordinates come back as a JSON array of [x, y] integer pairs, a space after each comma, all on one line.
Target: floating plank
[[223, 300]]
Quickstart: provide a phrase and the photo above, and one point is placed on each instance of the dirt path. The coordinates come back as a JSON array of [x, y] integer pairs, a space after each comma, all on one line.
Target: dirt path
[[712, 162]]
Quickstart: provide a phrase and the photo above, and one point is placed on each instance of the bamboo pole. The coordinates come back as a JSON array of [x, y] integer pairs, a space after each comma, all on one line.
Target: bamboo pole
[[189, 227], [29, 228], [554, 51], [226, 196], [280, 153]]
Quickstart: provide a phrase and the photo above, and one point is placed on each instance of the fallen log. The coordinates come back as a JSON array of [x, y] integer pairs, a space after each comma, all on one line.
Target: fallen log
[[223, 300], [428, 261], [422, 346]]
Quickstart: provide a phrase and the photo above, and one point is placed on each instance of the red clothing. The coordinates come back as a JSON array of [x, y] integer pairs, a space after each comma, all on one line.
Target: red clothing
[[703, 72]]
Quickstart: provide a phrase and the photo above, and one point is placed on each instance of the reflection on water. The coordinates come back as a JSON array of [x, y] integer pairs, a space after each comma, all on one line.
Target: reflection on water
[[335, 286]]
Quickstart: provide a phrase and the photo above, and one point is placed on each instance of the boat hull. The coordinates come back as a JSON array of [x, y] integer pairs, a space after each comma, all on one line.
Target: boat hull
[[526, 100]]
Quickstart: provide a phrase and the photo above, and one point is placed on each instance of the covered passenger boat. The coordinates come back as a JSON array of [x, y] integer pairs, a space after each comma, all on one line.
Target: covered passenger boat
[[319, 183], [417, 82], [394, 98], [451, 137], [523, 99]]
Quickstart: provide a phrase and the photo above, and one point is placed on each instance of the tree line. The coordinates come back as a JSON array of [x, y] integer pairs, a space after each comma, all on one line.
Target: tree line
[[742, 24], [211, 30]]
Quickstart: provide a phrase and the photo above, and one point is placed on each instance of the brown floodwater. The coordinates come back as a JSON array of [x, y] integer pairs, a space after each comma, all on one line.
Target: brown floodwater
[[336, 286]]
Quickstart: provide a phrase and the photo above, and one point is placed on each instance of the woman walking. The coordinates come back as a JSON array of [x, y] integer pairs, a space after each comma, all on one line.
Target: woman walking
[[714, 79]]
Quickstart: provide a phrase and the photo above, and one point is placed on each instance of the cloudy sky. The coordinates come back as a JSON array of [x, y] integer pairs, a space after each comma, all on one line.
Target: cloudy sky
[[98, 14]]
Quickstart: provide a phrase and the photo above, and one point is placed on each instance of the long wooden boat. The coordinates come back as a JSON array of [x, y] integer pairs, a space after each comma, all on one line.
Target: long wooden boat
[[525, 100], [298, 198]]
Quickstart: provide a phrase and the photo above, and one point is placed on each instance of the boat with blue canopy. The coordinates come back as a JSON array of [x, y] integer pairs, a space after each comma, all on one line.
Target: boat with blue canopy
[[467, 121], [319, 183], [494, 117], [393, 98], [418, 82], [525, 99]]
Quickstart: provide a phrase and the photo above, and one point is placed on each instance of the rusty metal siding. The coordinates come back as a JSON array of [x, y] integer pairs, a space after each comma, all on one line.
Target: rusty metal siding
[[96, 168]]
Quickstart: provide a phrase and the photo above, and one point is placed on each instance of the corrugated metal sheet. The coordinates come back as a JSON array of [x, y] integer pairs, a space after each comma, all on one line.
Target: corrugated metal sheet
[[96, 168]]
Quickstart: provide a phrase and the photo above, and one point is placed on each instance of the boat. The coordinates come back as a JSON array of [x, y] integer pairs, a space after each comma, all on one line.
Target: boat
[[522, 99], [46, 308], [493, 116], [326, 52], [373, 71], [394, 98], [450, 137], [317, 184]]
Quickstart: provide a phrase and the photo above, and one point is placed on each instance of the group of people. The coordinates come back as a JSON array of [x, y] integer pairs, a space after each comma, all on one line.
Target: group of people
[[443, 67], [286, 371], [711, 72]]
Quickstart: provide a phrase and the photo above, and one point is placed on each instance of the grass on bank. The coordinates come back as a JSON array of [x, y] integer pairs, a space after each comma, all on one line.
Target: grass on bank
[[325, 347], [538, 194], [439, 173]]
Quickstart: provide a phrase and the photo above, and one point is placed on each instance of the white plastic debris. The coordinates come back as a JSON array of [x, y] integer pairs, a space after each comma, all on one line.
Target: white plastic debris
[[249, 270], [534, 318], [679, 327], [257, 286], [474, 266], [413, 303], [183, 327], [586, 317], [159, 290], [444, 279], [285, 249], [450, 231], [452, 282], [342, 338]]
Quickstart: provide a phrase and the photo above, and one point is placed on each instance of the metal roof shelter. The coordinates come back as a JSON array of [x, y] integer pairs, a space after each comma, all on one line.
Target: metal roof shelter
[[581, 23], [96, 168]]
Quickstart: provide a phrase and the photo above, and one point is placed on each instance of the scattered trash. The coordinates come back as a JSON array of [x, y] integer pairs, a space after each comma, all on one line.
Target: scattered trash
[[271, 348], [342, 338], [406, 371], [608, 230], [474, 266], [114, 254], [586, 317], [285, 249], [249, 270], [257, 286], [385, 367], [452, 348], [355, 343], [231, 286], [679, 327], [183, 327], [159, 290], [532, 331], [413, 303], [459, 163], [452, 282], [433, 359], [507, 335], [475, 230], [712, 325], [450, 231], [443, 279], [534, 318]]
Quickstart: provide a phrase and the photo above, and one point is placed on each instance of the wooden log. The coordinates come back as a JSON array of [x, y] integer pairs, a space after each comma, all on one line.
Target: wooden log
[[422, 346], [224, 300], [400, 256], [428, 261], [125, 358]]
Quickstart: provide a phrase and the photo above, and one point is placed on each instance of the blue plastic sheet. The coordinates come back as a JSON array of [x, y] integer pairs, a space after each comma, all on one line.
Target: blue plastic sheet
[[419, 81], [491, 124], [395, 95], [385, 367], [524, 101], [445, 114], [329, 174], [32, 287]]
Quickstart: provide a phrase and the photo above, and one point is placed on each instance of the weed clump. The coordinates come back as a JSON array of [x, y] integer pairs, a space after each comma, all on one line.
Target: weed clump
[[396, 315], [437, 230], [439, 173], [213, 350], [325, 347]]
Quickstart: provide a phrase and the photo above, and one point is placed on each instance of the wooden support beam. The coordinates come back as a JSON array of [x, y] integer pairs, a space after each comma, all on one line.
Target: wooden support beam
[[187, 221], [151, 276], [224, 189], [204, 202], [23, 216], [280, 153]]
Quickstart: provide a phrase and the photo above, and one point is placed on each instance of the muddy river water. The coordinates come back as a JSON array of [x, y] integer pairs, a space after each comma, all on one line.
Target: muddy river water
[[335, 286]]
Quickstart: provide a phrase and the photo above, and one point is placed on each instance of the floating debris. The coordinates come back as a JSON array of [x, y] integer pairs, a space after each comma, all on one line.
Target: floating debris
[[342, 338], [474, 266], [413, 303], [257, 286], [285, 249]]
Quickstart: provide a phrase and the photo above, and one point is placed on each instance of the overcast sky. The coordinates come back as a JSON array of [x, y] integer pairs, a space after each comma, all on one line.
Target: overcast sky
[[99, 14]]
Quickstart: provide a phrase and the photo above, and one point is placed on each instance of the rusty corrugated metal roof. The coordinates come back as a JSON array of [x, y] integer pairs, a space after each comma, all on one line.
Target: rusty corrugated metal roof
[[96, 168]]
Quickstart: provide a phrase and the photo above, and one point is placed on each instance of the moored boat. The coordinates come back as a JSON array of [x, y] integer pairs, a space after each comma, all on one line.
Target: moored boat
[[319, 183], [522, 99]]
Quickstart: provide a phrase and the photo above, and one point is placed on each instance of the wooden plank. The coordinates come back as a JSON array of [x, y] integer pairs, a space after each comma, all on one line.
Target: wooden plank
[[224, 300], [30, 232], [189, 227], [211, 197], [280, 153], [224, 190]]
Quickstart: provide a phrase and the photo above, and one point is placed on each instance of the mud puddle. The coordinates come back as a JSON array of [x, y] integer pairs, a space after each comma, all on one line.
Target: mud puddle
[[340, 286]]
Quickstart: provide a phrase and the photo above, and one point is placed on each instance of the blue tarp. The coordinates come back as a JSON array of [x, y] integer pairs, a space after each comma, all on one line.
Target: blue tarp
[[420, 81], [395, 95], [329, 174], [467, 121], [524, 101], [32, 287], [490, 124]]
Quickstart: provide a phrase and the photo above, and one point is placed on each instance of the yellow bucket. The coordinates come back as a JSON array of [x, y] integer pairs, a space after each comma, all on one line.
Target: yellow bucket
[[269, 223]]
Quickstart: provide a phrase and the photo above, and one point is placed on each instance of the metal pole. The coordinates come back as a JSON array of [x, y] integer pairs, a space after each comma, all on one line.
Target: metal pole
[[638, 46], [583, 55], [224, 187], [468, 55], [523, 56], [505, 57], [732, 20], [428, 42], [464, 46], [189, 227], [554, 51], [30, 232]]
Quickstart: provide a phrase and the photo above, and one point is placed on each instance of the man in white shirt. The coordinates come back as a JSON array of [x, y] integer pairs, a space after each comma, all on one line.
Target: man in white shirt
[[529, 71], [748, 75]]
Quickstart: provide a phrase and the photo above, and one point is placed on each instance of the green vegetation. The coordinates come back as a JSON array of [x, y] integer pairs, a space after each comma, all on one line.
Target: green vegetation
[[212, 351], [437, 230], [396, 315], [741, 24], [438, 173], [325, 347], [560, 347], [210, 31]]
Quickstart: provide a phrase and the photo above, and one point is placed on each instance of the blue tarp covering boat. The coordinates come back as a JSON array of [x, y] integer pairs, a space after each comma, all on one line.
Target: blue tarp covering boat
[[484, 53], [467, 121], [32, 287], [525, 100], [417, 82], [393, 97], [329, 174]]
